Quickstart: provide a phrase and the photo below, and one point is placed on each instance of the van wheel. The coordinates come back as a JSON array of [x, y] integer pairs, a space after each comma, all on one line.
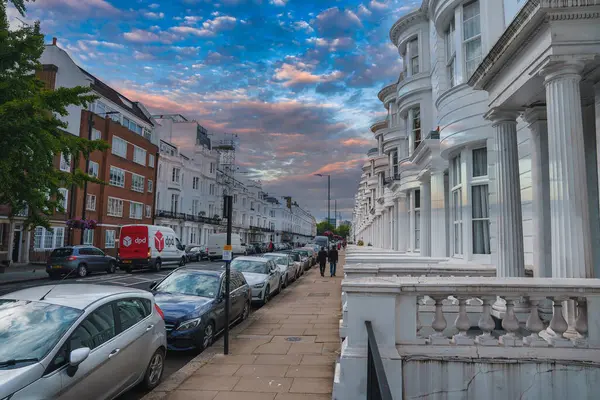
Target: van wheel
[[157, 266], [182, 262]]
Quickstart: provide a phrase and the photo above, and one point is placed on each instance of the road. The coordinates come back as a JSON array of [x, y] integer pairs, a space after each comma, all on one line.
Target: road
[[138, 279]]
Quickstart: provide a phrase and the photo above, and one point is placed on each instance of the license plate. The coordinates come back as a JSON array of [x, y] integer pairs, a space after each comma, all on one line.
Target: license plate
[[126, 261], [56, 267]]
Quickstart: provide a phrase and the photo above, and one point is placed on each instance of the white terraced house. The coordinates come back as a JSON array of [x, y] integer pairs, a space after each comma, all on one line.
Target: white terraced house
[[484, 183]]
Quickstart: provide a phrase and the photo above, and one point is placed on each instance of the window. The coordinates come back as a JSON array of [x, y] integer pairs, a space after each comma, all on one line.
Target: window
[[450, 53], [117, 176], [195, 182], [48, 239], [395, 163], [137, 183], [148, 212], [115, 207], [65, 162], [481, 219], [96, 134], [416, 125], [132, 311], [151, 160], [175, 175], [90, 202], [135, 210], [234, 198], [417, 209], [471, 37], [174, 203], [65, 200], [480, 162], [93, 169], [195, 207], [150, 186], [193, 235], [212, 168], [139, 155], [88, 237], [414, 55], [109, 239], [97, 329], [119, 147], [212, 189], [456, 205]]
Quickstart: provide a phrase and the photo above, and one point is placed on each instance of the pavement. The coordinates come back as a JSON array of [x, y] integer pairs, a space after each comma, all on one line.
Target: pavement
[[286, 350], [23, 273]]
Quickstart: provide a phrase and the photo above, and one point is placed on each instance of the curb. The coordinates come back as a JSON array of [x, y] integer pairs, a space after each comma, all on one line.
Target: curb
[[22, 280], [171, 384]]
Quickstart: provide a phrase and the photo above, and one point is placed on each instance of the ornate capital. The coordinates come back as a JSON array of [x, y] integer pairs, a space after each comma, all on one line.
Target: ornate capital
[[556, 68], [499, 115], [535, 114]]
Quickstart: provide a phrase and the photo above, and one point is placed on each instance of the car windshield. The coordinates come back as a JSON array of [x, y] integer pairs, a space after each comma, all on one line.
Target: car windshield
[[190, 283], [30, 329], [61, 252], [279, 260], [257, 267], [304, 253], [295, 256]]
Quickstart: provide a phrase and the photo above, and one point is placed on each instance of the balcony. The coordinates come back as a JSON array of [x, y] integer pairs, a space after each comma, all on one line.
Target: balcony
[[187, 217], [261, 229]]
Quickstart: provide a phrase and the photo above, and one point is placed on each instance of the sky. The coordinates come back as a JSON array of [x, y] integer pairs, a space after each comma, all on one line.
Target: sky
[[295, 80]]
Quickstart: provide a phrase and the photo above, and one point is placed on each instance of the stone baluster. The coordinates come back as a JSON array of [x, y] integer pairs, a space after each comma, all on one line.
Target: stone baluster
[[534, 325], [510, 324], [439, 323], [419, 324], [462, 324], [558, 325], [486, 323], [581, 323]]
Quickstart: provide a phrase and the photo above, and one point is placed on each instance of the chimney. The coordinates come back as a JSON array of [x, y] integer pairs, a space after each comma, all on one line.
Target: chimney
[[53, 41]]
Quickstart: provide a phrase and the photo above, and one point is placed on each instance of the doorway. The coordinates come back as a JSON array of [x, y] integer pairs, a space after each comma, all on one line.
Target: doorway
[[16, 246]]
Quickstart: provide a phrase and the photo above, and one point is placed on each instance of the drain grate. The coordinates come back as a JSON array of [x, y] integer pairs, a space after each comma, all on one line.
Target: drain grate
[[318, 294], [293, 339]]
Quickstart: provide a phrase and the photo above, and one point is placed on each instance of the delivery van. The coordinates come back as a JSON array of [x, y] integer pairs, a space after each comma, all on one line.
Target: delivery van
[[217, 241], [149, 246], [322, 241]]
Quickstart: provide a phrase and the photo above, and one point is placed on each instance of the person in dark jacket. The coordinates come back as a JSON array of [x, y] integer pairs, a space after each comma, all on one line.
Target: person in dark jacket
[[333, 259], [322, 259]]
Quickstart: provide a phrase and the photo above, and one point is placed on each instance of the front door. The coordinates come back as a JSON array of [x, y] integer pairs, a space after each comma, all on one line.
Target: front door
[[16, 246]]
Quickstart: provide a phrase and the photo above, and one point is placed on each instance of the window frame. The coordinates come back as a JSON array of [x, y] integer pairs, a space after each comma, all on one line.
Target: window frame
[[88, 202], [416, 132], [65, 200], [42, 238], [93, 169], [115, 149], [466, 41], [119, 210], [151, 160], [176, 175], [148, 211], [456, 206], [88, 240], [65, 162], [139, 159], [138, 188], [116, 182], [414, 56], [450, 37], [175, 200], [107, 244], [132, 208]]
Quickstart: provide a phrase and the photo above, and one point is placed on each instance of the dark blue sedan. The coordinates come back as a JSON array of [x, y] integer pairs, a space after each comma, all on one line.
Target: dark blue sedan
[[193, 302]]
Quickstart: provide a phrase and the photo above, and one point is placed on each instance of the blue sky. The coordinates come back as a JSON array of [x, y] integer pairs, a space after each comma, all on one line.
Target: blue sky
[[295, 80]]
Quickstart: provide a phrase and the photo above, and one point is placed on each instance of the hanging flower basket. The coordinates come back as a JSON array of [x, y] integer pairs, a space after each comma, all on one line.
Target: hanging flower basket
[[82, 223]]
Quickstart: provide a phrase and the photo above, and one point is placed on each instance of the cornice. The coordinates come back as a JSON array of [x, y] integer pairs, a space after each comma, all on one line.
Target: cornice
[[385, 92], [416, 16], [377, 126]]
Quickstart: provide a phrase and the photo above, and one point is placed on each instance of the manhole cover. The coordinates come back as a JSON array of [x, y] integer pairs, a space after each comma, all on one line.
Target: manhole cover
[[318, 294], [293, 339]]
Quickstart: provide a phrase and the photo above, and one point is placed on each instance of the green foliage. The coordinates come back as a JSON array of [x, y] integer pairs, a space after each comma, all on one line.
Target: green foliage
[[360, 243], [324, 226], [31, 133]]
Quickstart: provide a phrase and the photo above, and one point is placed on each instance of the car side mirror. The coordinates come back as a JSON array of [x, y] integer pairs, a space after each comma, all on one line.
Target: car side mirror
[[76, 357]]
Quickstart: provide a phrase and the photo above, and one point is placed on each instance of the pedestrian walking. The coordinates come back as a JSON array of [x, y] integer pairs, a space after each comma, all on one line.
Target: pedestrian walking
[[333, 259], [322, 258]]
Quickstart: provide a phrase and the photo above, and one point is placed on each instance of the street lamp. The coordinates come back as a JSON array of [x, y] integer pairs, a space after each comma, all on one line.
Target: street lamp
[[87, 165], [328, 196]]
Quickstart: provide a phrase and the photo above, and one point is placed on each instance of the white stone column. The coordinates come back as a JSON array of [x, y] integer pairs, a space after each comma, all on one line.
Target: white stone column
[[511, 258], [403, 225], [571, 246], [394, 231], [597, 112], [425, 228], [438, 214], [542, 238]]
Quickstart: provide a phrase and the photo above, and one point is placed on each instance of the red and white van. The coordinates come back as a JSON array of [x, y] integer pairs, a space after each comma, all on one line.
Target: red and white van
[[149, 246]]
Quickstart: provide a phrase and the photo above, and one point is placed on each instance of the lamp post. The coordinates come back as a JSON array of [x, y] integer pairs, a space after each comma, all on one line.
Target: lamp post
[[328, 196], [87, 166]]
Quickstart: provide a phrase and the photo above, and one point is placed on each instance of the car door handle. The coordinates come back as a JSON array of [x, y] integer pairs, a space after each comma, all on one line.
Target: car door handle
[[149, 328], [114, 353]]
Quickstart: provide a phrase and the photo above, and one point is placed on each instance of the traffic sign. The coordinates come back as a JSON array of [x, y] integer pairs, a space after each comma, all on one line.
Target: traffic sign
[[227, 255], [227, 247]]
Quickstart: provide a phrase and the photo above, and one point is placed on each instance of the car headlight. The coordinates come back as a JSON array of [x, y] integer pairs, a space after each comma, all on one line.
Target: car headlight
[[258, 285], [189, 324]]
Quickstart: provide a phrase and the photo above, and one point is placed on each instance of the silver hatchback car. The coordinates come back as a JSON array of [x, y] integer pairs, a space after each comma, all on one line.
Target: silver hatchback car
[[79, 341]]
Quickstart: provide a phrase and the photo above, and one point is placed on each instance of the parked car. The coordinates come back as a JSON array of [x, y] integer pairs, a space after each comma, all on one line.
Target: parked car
[[312, 255], [79, 341], [195, 253], [297, 262], [248, 249], [306, 259], [285, 266], [149, 246], [264, 248], [193, 302], [217, 241], [262, 275], [258, 248], [79, 261]]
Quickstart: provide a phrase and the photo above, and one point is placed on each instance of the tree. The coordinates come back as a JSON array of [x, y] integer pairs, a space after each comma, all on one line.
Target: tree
[[31, 133], [323, 227], [343, 231]]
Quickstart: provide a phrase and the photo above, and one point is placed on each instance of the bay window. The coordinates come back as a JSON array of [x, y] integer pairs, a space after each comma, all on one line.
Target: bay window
[[456, 198], [480, 200], [414, 55], [450, 53], [471, 37], [416, 126], [417, 213]]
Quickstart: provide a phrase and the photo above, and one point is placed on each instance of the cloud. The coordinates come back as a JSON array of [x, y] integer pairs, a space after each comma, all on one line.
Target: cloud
[[192, 19], [209, 27], [143, 36], [340, 166], [154, 6], [333, 45], [303, 25], [334, 22], [279, 3], [356, 142], [153, 15], [379, 6], [102, 43], [138, 55], [294, 75]]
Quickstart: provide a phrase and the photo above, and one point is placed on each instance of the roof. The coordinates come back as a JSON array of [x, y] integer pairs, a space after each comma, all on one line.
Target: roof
[[252, 258], [75, 295], [116, 97]]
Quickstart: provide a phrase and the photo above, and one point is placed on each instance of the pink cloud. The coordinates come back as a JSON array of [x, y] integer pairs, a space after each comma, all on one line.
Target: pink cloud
[[293, 75]]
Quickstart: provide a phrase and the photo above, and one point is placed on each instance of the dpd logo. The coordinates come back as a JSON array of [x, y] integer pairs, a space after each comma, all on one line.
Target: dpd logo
[[140, 240], [169, 241], [159, 241], [126, 241]]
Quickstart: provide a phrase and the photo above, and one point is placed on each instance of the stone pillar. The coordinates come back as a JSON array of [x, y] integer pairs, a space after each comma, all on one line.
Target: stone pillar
[[511, 258], [394, 225], [571, 246], [425, 228], [540, 180], [438, 214], [403, 225]]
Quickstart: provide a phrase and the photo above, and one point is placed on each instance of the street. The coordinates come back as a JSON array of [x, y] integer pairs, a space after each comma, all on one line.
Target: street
[[137, 279]]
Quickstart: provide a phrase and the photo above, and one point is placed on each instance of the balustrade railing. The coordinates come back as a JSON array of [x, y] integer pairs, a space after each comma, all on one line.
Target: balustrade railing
[[186, 217]]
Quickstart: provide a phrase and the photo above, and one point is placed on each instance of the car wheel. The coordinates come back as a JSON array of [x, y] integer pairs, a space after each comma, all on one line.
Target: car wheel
[[285, 282], [182, 262], [267, 295], [157, 265], [82, 271], [208, 336], [245, 312], [155, 369], [112, 267]]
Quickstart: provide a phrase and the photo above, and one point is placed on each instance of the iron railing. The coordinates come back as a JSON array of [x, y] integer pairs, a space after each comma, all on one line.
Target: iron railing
[[377, 384], [186, 217]]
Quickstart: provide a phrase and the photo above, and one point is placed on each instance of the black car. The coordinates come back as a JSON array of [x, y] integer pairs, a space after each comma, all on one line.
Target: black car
[[193, 302], [79, 261], [258, 248], [195, 253]]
